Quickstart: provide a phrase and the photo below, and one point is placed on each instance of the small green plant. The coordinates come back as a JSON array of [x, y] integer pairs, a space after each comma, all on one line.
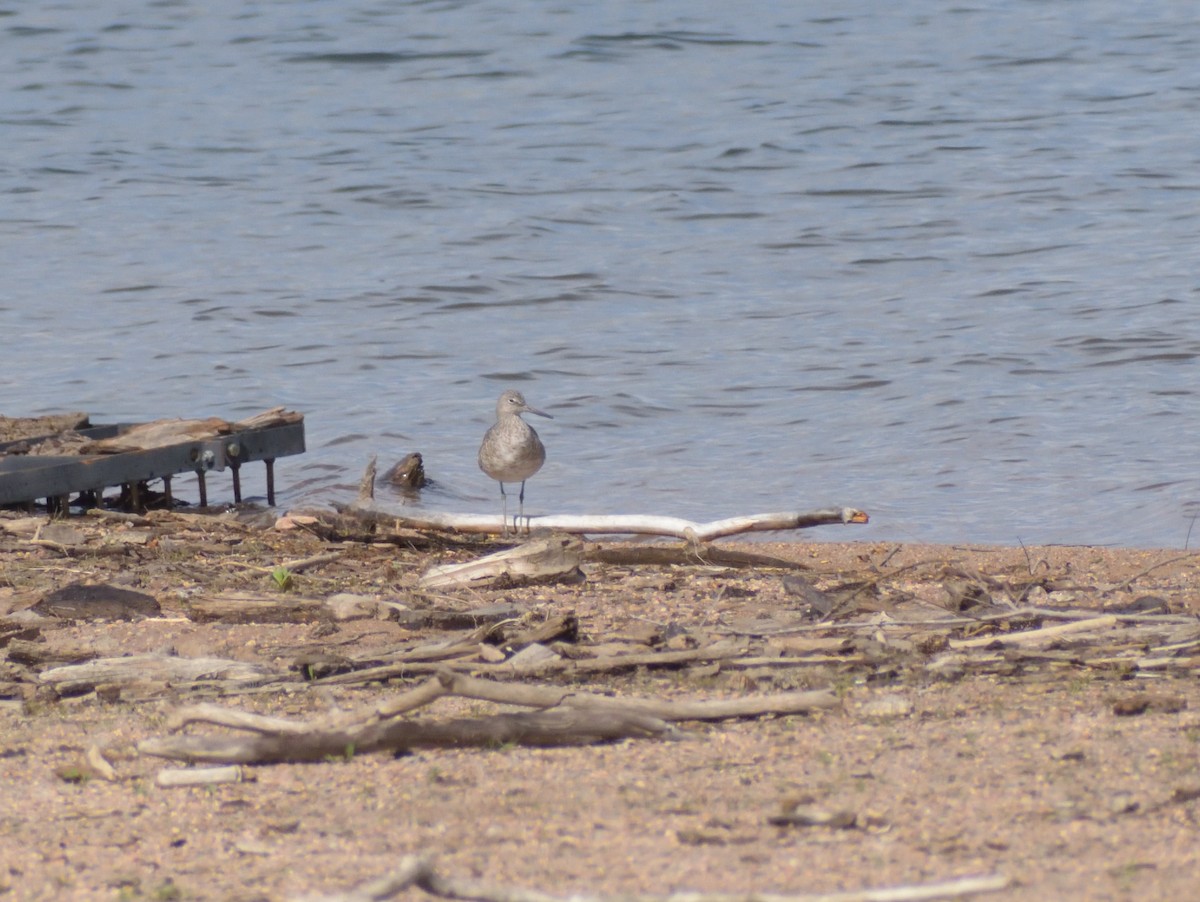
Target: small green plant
[[283, 578], [346, 755], [1079, 683], [75, 775], [167, 891]]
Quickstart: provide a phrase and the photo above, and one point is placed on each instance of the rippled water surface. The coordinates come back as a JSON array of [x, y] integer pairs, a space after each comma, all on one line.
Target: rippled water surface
[[935, 260]]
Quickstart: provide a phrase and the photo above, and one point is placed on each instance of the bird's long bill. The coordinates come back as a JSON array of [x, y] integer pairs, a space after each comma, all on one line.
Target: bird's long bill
[[540, 413]]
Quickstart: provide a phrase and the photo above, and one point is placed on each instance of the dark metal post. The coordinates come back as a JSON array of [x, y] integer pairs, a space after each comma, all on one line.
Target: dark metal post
[[270, 461]]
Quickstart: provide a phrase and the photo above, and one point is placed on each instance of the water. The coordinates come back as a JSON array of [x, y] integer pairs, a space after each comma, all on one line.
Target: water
[[934, 260]]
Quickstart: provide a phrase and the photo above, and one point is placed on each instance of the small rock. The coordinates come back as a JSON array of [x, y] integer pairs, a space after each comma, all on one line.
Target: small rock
[[491, 654], [681, 642], [1185, 793], [689, 837], [531, 656], [346, 606], [1037, 596], [1123, 803], [1069, 755], [62, 534], [814, 816], [294, 521], [887, 707], [1146, 701], [131, 537], [1147, 604]]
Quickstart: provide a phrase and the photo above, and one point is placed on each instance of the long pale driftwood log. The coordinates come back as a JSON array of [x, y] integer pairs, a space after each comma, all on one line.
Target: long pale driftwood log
[[598, 524], [418, 871], [368, 509], [565, 718]]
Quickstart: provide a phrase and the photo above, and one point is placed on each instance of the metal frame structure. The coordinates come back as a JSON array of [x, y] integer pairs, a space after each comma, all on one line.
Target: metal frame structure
[[26, 478]]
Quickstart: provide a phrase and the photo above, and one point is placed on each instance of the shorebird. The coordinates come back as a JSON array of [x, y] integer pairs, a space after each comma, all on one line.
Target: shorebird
[[511, 450]]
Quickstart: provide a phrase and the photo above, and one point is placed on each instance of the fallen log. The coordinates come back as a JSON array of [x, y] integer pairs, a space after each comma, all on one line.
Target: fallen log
[[667, 555], [381, 514], [250, 607], [557, 727], [564, 718], [564, 726]]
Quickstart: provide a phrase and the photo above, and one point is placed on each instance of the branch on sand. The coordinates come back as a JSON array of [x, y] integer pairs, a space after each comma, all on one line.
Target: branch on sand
[[418, 871], [366, 508], [601, 524], [566, 718]]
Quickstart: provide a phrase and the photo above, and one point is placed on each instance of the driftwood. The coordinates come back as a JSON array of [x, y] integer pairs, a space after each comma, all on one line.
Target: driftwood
[[463, 656], [395, 516], [541, 560], [560, 727], [367, 509], [415, 871], [1037, 637], [564, 718], [77, 678], [667, 555], [198, 776], [252, 607]]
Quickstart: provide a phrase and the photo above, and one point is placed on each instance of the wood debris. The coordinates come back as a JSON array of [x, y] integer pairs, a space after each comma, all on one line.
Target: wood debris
[[416, 871]]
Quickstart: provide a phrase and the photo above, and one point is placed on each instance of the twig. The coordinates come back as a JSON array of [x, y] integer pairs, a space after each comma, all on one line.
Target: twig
[[891, 554], [1126, 583], [315, 560]]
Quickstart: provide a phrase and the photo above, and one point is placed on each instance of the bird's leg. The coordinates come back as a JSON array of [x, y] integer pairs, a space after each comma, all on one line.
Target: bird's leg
[[521, 507], [504, 508]]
